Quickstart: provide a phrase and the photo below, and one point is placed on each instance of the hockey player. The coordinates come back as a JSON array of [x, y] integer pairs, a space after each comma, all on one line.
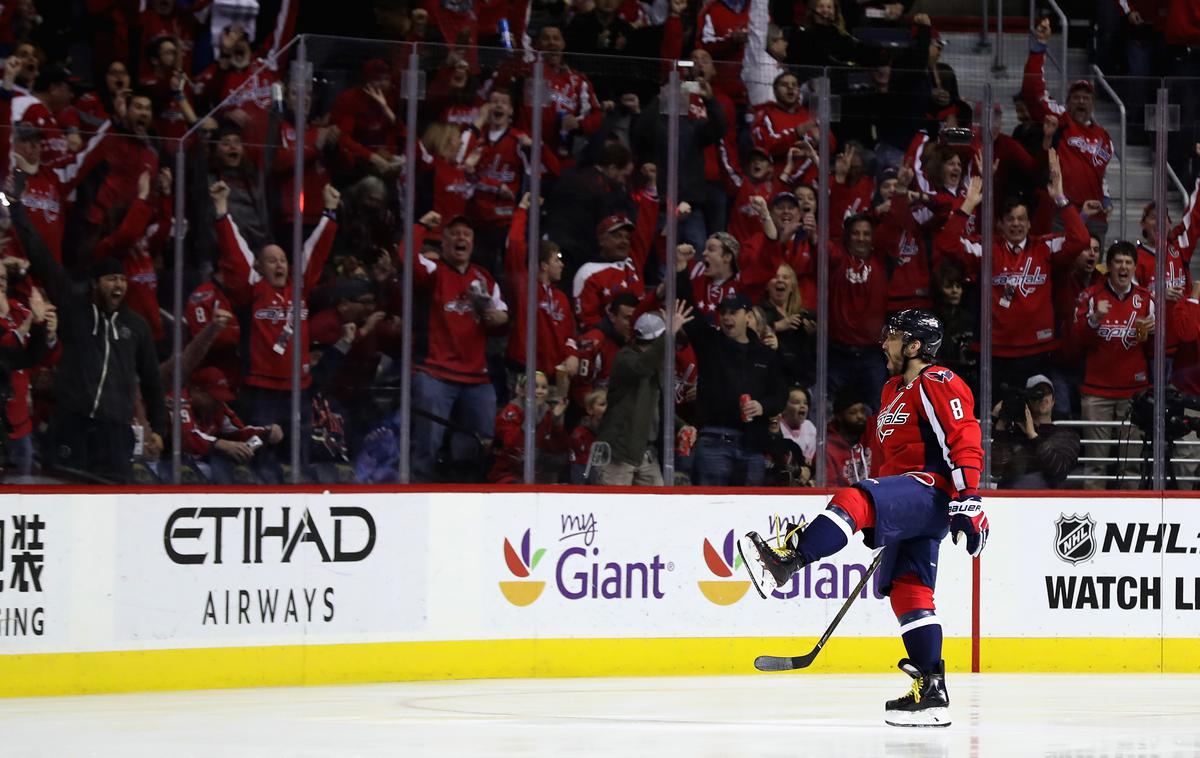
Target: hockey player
[[927, 486]]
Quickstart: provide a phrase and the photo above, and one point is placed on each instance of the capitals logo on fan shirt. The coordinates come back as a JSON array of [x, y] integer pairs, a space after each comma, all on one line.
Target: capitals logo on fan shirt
[[1025, 281], [861, 276], [1126, 332], [1094, 148], [908, 249]]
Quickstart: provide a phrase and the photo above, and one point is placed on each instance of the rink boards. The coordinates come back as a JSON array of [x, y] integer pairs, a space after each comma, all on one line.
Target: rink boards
[[179, 590]]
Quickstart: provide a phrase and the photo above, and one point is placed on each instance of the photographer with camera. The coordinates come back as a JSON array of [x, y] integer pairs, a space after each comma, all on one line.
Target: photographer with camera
[[1113, 322], [1029, 452]]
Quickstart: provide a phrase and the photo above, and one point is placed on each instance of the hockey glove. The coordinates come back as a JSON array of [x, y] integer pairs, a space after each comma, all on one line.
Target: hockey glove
[[968, 519]]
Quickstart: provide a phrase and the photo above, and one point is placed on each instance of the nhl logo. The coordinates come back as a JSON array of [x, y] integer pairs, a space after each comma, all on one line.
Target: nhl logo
[[1075, 538]]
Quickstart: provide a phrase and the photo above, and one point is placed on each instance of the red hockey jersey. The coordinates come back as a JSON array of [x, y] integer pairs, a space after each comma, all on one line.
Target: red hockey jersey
[[899, 235], [1115, 354], [499, 173], [847, 462], [596, 350], [776, 129], [199, 436], [744, 221], [46, 193], [568, 93], [549, 437], [316, 176], [1084, 150], [1181, 243], [857, 297], [127, 156], [714, 32], [365, 127], [270, 308], [1022, 305], [929, 425], [707, 293], [596, 283], [555, 321], [198, 314], [17, 410], [846, 200], [457, 335]]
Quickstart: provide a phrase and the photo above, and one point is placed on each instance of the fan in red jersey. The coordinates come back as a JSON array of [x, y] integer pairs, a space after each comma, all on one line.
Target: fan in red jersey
[[1084, 146], [262, 283], [927, 487], [1112, 325], [452, 382], [1023, 269]]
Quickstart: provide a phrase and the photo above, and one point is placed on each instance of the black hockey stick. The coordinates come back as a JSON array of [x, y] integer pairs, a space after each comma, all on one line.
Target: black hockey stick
[[789, 663]]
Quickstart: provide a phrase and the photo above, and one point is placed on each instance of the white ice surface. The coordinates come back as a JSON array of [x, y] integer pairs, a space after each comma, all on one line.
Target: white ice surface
[[795, 714]]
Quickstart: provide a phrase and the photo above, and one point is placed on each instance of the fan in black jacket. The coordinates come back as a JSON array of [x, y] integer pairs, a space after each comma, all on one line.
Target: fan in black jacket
[[108, 353], [734, 365]]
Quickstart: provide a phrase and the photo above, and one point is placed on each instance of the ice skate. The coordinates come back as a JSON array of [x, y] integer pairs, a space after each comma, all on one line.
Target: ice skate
[[769, 566], [926, 704]]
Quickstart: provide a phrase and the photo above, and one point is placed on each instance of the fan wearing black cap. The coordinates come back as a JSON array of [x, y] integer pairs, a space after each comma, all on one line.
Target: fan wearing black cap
[[108, 357], [793, 215], [848, 454], [1084, 147], [740, 388]]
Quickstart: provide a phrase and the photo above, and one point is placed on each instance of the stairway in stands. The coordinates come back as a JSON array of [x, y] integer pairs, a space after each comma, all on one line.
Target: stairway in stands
[[975, 67]]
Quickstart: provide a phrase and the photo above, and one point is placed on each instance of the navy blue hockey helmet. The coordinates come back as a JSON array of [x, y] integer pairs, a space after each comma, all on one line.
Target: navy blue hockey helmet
[[920, 325]]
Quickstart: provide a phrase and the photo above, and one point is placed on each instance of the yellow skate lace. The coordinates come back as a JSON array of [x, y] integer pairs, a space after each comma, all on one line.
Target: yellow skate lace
[[782, 549], [916, 690]]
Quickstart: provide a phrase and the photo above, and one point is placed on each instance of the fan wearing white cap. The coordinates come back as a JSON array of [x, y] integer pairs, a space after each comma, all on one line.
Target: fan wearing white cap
[[1029, 451], [632, 423]]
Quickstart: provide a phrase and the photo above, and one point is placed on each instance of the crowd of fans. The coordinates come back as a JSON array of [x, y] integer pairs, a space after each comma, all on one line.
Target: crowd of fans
[[90, 201]]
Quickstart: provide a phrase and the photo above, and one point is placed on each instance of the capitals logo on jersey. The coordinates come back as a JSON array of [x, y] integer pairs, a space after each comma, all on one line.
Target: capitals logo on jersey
[[1094, 148], [861, 276], [551, 307], [908, 249], [1025, 281], [1126, 333], [894, 415]]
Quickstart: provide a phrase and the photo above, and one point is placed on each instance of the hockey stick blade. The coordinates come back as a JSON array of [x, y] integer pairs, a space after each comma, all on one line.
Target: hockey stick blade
[[791, 663]]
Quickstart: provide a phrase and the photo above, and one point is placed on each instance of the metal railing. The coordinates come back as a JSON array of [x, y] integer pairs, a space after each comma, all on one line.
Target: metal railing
[[1122, 155], [1179, 185], [1125, 440], [1061, 62], [1135, 454]]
